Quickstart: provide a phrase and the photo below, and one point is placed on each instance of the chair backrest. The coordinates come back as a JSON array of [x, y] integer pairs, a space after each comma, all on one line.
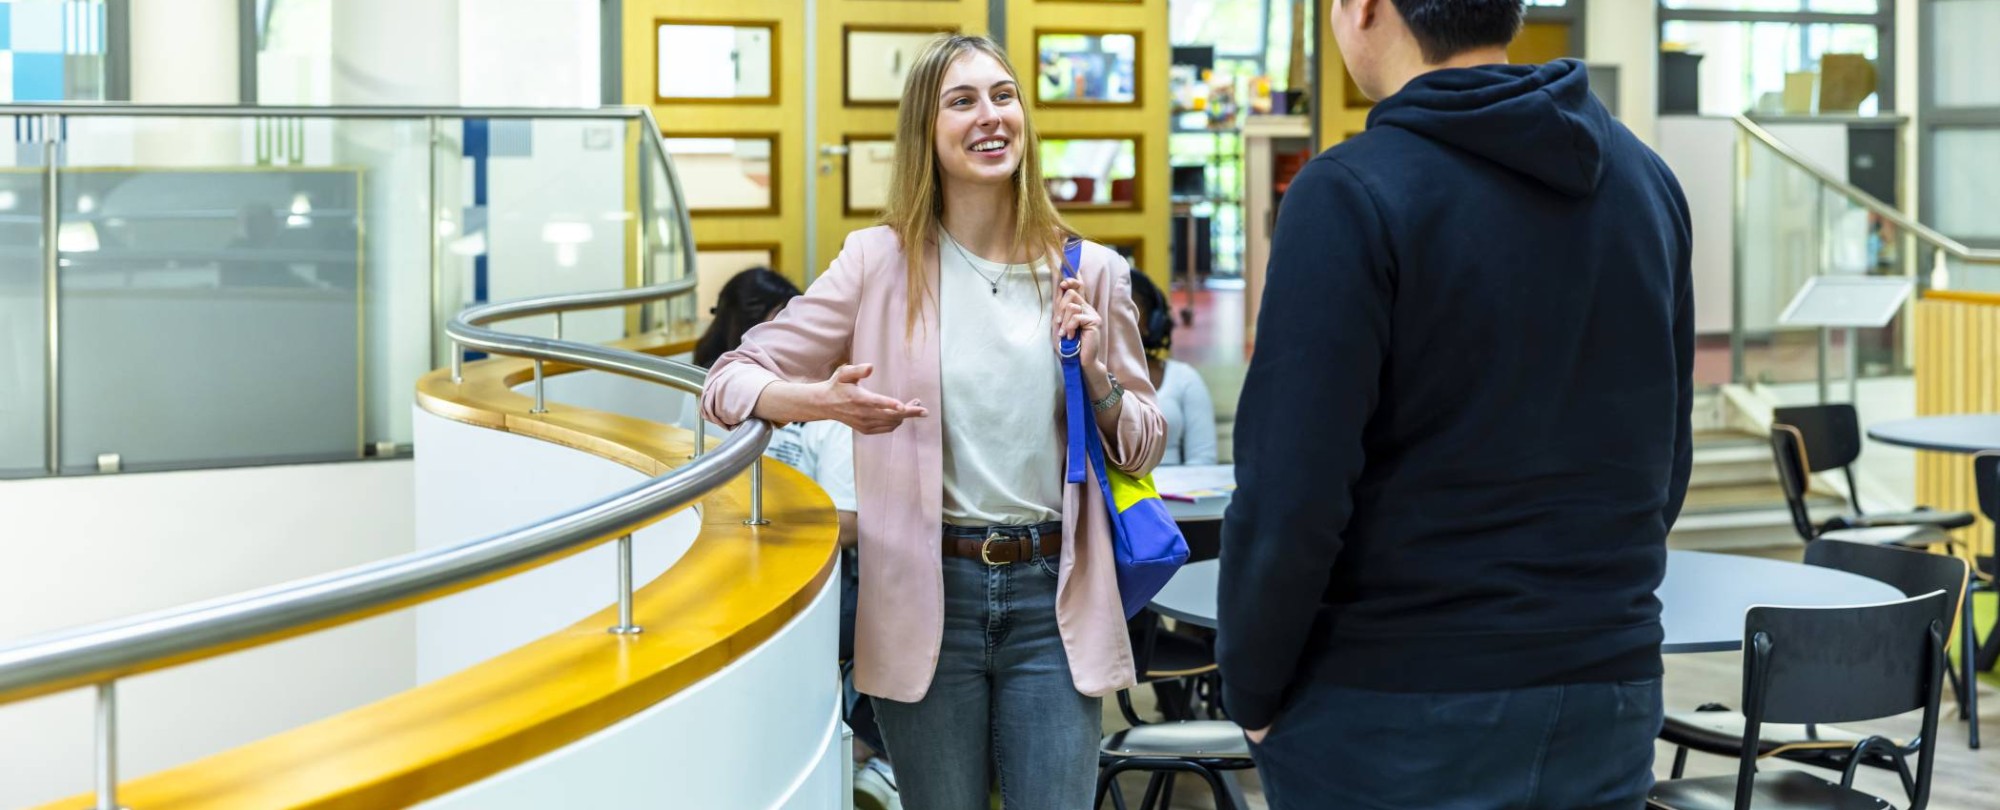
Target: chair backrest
[[1788, 453], [1831, 433], [1843, 665], [1913, 572], [1986, 481]]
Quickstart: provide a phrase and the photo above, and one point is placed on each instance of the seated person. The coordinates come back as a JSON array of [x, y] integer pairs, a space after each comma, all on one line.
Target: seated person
[[1184, 399], [824, 451]]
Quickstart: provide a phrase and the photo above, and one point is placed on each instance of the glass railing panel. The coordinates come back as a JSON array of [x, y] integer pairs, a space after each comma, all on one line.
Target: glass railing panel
[[666, 254], [547, 208], [23, 329], [239, 291], [260, 289], [1794, 227], [1779, 245]]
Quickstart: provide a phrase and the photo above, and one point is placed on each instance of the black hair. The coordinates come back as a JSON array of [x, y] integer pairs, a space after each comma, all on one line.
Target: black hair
[[1447, 28], [746, 300], [1156, 315]]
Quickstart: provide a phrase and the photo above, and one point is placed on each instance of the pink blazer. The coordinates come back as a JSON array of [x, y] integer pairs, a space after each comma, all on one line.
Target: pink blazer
[[855, 313]]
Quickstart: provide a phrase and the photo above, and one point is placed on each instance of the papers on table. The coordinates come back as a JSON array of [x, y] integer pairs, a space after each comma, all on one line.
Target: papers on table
[[1194, 482]]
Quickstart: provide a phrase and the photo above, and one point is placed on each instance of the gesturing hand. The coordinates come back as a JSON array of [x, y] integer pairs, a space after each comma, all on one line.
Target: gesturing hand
[[843, 399]]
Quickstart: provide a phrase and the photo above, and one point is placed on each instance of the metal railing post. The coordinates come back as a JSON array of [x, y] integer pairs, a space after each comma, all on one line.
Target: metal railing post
[[625, 626], [1740, 260], [540, 407], [558, 335], [107, 746], [51, 289], [457, 362], [700, 437], [1819, 269], [757, 494]]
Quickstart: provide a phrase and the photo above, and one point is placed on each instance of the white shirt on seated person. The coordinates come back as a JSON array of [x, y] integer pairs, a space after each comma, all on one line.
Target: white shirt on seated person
[[1190, 415]]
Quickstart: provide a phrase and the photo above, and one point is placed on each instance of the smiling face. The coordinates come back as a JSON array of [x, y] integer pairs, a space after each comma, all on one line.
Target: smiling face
[[979, 122]]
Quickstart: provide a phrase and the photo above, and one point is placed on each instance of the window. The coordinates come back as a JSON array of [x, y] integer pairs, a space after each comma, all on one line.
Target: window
[[1961, 124], [52, 50], [1776, 57]]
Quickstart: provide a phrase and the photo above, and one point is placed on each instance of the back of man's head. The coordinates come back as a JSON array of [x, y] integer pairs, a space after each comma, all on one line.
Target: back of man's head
[[1447, 28]]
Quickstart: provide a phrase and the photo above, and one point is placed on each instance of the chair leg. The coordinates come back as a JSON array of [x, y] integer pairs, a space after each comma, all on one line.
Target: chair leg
[[1909, 782], [1223, 801], [1167, 791], [1680, 761], [1968, 649], [1107, 779], [1152, 791]]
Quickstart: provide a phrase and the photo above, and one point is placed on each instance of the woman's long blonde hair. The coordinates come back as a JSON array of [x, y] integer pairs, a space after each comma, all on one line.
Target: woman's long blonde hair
[[916, 198]]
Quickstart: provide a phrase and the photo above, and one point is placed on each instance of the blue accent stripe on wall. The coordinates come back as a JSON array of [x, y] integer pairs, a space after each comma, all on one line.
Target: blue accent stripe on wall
[[478, 148]]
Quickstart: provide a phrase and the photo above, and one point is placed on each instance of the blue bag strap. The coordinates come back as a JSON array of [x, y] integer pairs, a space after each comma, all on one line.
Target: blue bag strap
[[1077, 404]]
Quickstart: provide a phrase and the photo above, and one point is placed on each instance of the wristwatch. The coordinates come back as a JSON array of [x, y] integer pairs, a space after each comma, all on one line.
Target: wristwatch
[[1110, 400]]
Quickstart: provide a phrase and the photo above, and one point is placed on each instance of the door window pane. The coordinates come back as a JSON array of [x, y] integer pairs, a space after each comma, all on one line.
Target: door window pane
[[1964, 63], [1967, 181]]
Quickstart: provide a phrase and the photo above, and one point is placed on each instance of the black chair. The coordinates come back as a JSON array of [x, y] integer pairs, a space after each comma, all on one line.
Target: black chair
[[1718, 730], [1827, 665], [1830, 438], [1794, 474], [1172, 663], [1179, 666]]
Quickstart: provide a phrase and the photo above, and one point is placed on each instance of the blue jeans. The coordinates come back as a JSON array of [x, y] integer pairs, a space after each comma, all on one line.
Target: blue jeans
[[1002, 702], [1576, 747]]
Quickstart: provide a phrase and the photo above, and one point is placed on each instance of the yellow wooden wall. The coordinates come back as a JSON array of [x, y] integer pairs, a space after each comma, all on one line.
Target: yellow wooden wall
[[1958, 371], [1145, 223], [1148, 221], [783, 118], [837, 122], [1343, 111]]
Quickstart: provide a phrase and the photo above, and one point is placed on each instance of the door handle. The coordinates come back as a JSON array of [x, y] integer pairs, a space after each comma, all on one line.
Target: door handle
[[833, 150]]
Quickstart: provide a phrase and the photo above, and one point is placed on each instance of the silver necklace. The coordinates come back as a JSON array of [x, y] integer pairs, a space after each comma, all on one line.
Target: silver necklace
[[991, 283]]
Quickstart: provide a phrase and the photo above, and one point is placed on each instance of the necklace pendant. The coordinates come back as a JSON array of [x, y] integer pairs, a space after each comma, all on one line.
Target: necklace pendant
[[996, 289]]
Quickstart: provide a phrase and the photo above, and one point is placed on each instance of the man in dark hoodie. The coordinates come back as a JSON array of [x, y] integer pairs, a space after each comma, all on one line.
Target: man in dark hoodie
[[1462, 440]]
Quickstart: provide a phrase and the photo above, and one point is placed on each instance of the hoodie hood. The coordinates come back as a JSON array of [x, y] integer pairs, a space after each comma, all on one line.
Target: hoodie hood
[[1537, 120]]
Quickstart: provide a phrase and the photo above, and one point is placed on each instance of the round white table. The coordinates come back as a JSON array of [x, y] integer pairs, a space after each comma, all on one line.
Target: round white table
[[1958, 433], [1702, 599]]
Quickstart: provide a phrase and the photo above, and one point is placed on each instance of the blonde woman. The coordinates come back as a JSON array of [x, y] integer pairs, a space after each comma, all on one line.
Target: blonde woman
[[989, 624]]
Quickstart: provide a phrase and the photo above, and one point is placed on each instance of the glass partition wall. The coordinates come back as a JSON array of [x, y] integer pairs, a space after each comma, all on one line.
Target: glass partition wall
[[208, 287]]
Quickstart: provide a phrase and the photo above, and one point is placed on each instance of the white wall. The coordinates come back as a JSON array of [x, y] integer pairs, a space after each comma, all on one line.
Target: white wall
[[85, 550], [529, 53], [473, 482], [1626, 33], [764, 732], [1702, 153]]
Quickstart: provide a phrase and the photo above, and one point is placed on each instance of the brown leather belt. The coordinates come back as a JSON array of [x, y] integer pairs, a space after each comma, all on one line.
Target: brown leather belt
[[1003, 545]]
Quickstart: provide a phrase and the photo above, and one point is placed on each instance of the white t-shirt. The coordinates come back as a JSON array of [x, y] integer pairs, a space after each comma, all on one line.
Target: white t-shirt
[[1190, 416], [824, 451], [1002, 384]]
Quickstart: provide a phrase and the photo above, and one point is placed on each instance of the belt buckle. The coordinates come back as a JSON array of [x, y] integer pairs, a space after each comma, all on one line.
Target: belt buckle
[[986, 546]]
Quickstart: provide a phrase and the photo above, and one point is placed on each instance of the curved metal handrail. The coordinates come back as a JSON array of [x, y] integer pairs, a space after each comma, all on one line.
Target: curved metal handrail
[[1853, 193], [104, 652]]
